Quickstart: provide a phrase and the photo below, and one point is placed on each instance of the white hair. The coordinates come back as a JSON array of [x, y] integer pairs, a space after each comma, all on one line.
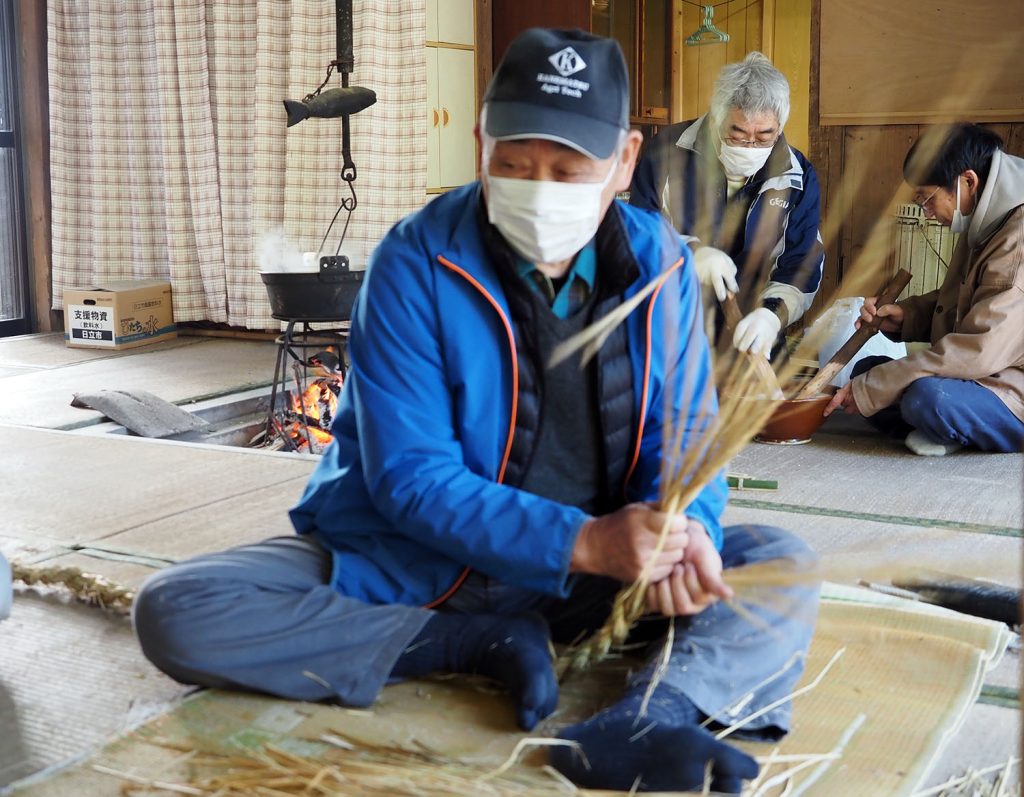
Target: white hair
[[752, 86]]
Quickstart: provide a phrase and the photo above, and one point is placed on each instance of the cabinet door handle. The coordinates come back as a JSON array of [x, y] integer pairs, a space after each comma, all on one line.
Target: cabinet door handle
[[445, 112], [435, 117]]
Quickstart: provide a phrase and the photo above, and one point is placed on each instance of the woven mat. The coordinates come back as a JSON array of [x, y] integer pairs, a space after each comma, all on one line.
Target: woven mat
[[897, 693]]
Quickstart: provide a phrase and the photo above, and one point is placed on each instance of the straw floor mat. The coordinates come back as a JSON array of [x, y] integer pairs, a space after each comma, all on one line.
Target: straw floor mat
[[889, 703]]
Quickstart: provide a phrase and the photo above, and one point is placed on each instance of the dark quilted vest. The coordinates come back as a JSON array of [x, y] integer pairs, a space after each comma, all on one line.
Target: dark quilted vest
[[616, 270]]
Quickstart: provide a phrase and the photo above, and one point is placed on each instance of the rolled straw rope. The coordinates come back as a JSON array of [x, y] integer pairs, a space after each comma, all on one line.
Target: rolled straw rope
[[90, 589]]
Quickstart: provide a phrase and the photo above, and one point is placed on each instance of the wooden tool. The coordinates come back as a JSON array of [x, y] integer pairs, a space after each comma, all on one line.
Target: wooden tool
[[763, 368], [893, 288]]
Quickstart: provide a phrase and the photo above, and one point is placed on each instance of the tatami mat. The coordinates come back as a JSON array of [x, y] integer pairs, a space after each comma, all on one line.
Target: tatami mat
[[80, 488], [900, 686], [177, 370], [871, 477], [49, 350], [976, 555], [122, 507], [70, 678], [237, 520]]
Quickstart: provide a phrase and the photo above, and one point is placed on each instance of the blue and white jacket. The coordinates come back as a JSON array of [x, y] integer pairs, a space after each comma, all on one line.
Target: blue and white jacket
[[410, 495], [778, 243]]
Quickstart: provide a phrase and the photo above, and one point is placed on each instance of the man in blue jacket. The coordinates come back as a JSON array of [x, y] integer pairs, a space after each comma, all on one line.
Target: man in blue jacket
[[478, 502], [747, 203]]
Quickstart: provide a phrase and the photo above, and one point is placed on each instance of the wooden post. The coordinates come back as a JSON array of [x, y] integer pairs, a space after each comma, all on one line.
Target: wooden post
[[34, 96]]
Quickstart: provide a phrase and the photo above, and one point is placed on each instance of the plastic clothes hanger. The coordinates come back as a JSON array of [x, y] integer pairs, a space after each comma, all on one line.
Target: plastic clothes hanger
[[707, 33]]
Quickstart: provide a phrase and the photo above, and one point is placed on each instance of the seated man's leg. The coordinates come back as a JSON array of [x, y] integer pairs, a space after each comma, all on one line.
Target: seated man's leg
[[264, 617], [888, 420], [513, 649], [950, 413], [720, 665]]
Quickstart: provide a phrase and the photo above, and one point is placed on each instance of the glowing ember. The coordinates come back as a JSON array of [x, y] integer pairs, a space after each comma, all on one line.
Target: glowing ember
[[309, 415]]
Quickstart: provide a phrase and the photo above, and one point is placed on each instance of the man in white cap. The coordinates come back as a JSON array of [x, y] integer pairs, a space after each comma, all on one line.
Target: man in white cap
[[747, 202], [478, 503]]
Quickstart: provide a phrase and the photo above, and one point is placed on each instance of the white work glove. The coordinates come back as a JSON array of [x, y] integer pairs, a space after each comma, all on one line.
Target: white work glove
[[716, 270], [757, 332]]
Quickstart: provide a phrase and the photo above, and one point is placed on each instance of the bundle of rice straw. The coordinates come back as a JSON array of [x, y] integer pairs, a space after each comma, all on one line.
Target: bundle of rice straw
[[354, 769], [697, 445]]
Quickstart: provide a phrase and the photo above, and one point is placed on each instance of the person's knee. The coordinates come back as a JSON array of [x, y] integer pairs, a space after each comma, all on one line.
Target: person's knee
[[921, 403], [161, 624], [787, 545], [753, 543]]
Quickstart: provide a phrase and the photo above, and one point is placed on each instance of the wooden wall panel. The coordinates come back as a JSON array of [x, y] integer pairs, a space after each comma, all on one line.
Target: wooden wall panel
[[698, 67], [792, 56], [873, 160], [510, 17], [860, 169], [916, 63]]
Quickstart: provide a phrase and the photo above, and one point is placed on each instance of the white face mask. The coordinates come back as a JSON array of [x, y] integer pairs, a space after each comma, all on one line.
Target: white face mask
[[743, 161], [960, 221], [543, 220]]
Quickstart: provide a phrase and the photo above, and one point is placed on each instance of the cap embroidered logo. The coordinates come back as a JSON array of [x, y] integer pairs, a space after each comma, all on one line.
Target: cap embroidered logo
[[567, 62]]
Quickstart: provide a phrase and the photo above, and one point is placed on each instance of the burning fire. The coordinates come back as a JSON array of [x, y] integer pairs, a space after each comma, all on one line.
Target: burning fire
[[309, 415]]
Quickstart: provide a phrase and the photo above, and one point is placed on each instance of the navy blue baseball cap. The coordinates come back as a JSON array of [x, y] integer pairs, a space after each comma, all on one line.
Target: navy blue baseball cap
[[568, 86]]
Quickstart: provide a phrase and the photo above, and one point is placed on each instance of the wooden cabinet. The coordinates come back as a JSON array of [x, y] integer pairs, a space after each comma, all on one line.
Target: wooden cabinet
[[450, 22], [451, 94]]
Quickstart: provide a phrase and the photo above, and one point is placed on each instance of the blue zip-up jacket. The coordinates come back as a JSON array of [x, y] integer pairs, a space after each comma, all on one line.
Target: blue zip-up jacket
[[779, 239], [409, 495]]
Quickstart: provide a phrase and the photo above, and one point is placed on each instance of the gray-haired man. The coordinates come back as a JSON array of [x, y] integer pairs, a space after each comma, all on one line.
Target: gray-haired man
[[747, 202]]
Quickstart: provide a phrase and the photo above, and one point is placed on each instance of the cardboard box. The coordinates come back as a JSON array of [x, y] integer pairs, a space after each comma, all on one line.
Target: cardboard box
[[119, 314]]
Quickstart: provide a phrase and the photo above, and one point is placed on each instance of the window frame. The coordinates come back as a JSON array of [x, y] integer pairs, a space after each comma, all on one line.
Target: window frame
[[10, 138]]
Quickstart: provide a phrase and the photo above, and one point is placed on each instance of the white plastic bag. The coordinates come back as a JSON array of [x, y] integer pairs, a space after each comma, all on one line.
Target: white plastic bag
[[834, 327]]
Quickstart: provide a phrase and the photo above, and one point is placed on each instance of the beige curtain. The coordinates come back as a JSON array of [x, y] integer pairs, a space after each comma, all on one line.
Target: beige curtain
[[169, 152]]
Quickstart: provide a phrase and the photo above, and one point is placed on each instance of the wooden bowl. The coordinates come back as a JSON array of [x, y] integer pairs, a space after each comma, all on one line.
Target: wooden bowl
[[794, 421]]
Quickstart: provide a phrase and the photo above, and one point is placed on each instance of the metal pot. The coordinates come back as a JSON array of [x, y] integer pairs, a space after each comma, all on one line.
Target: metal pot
[[325, 295]]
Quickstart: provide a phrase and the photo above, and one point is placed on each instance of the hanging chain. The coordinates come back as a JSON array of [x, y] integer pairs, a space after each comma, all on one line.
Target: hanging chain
[[348, 169], [312, 94]]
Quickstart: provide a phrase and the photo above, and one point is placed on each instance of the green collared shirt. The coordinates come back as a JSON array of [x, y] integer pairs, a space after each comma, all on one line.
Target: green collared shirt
[[576, 288]]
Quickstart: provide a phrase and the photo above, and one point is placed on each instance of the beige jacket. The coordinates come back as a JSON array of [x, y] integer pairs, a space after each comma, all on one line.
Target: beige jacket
[[975, 321]]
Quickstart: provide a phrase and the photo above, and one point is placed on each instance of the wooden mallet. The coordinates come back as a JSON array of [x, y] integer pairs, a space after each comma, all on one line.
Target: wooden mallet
[[763, 368], [893, 288]]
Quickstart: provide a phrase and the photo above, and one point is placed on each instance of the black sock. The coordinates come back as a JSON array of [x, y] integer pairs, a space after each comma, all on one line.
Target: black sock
[[665, 749], [510, 649]]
